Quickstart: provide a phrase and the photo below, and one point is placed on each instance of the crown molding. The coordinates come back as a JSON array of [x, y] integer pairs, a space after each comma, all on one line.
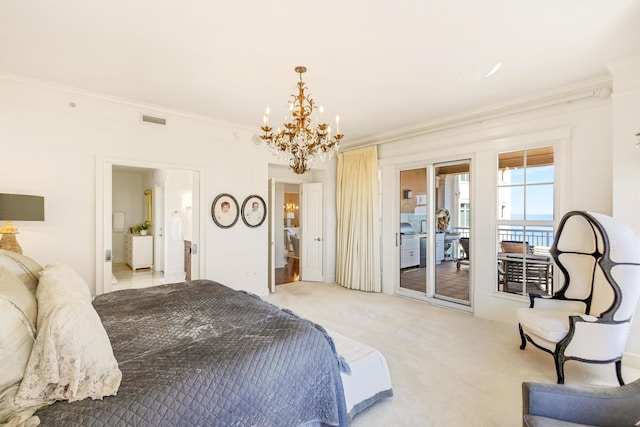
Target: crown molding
[[140, 105], [599, 87]]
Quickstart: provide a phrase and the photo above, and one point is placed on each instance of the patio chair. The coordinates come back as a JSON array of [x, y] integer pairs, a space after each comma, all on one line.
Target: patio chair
[[589, 318], [515, 247], [464, 242], [293, 257]]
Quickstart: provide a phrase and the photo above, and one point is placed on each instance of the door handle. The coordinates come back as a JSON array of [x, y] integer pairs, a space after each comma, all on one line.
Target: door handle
[[318, 239]]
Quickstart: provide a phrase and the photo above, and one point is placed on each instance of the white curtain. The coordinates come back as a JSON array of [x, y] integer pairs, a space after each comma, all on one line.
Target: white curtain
[[358, 250]]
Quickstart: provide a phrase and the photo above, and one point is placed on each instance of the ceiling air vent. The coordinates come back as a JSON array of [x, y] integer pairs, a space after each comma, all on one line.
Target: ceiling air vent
[[154, 120]]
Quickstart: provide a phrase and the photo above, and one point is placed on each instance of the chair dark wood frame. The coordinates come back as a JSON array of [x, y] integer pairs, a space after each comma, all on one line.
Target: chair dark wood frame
[[603, 261]]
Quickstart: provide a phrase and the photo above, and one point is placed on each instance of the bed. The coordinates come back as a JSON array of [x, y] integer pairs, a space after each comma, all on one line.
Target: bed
[[196, 353]]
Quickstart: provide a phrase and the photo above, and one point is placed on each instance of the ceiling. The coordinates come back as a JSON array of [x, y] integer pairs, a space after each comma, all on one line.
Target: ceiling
[[382, 65]]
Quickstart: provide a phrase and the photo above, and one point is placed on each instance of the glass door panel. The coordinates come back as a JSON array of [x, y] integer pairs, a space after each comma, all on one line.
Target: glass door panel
[[413, 229], [452, 256]]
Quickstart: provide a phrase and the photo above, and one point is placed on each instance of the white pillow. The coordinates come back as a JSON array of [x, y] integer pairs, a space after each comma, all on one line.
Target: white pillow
[[72, 357], [17, 333], [25, 268], [63, 278], [15, 291]]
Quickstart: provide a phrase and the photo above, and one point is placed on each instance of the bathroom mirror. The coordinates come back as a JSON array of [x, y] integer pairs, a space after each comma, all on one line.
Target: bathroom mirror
[[147, 207]]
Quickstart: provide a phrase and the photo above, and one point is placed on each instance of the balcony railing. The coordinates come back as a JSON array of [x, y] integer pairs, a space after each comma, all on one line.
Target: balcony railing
[[536, 273], [539, 240]]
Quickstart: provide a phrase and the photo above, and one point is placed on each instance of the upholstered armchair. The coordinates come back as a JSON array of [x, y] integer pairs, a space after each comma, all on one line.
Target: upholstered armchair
[[561, 405], [589, 317]]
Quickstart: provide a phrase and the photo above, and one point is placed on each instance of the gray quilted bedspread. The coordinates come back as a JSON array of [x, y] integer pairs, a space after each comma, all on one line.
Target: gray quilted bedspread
[[201, 354]]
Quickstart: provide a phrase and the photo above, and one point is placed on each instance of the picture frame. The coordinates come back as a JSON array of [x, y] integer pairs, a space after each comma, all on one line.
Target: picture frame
[[225, 210], [254, 211]]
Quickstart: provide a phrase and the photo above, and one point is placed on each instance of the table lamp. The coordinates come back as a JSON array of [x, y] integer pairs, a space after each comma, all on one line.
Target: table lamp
[[18, 207], [290, 216]]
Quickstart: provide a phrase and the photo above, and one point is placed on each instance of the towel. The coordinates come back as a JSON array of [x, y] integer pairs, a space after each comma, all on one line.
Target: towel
[[118, 222]]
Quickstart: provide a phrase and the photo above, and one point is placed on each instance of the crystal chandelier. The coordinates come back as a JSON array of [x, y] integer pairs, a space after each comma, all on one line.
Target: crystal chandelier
[[290, 207], [300, 142]]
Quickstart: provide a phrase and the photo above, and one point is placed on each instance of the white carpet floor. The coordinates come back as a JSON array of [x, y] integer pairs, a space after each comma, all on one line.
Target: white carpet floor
[[447, 368]]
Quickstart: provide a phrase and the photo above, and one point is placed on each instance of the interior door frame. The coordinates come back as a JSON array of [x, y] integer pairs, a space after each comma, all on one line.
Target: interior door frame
[[104, 207], [271, 274]]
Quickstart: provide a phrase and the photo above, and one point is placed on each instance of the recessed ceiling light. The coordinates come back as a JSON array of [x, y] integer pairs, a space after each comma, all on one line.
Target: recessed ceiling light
[[493, 70]]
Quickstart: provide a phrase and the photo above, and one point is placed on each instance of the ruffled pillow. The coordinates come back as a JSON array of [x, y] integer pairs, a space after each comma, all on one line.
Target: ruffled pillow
[[72, 357], [18, 310]]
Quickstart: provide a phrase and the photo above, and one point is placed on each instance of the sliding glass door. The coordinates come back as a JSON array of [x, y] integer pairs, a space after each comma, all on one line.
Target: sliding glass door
[[434, 232], [413, 229], [452, 231]]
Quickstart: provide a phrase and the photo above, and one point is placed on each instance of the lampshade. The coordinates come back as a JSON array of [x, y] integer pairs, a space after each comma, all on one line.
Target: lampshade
[[18, 207]]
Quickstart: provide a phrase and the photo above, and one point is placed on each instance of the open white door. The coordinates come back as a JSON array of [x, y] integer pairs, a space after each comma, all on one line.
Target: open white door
[[312, 233], [104, 254], [158, 227], [272, 234]]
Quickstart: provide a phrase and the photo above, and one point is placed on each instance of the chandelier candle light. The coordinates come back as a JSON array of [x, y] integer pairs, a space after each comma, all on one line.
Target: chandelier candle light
[[299, 141]]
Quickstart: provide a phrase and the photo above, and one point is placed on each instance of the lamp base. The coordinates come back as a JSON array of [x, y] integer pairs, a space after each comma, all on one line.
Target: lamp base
[[10, 243]]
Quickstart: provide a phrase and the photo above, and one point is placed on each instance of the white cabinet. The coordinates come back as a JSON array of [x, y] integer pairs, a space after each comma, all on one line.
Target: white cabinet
[[410, 255], [138, 251], [439, 247]]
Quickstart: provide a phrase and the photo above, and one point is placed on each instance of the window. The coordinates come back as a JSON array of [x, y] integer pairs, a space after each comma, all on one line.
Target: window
[[525, 221], [463, 217], [461, 193]]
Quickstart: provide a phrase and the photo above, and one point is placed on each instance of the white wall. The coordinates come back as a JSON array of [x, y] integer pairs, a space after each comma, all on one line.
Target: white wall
[[626, 160], [55, 149]]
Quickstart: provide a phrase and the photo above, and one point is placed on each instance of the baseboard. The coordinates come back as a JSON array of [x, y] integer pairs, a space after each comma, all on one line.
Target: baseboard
[[175, 277], [631, 359]]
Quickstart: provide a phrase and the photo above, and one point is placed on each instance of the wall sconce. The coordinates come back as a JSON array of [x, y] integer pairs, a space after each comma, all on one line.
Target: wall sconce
[[18, 207]]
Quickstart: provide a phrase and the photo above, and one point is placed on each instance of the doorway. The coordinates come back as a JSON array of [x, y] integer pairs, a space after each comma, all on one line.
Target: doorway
[[167, 200], [434, 232], [307, 224], [288, 252]]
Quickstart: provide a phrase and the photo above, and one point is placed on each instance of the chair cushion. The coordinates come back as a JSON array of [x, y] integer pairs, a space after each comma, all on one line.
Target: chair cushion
[[538, 421], [551, 325]]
